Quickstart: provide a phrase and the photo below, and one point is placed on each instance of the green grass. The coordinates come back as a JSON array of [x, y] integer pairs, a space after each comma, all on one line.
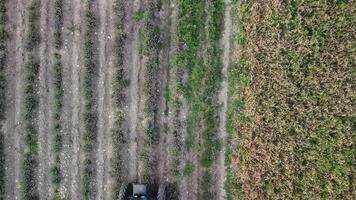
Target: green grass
[[3, 57], [291, 112], [204, 79]]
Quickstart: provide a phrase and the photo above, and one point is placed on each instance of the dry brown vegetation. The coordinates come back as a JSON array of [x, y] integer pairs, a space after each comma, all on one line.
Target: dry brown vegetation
[[291, 115]]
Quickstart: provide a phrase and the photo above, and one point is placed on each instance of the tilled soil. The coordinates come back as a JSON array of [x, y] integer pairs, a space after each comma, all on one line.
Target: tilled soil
[[169, 153]]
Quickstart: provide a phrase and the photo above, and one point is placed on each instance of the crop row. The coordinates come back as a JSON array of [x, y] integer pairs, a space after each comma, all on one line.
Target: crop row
[[204, 79], [3, 56], [90, 116], [30, 157], [152, 35], [119, 84], [58, 96]]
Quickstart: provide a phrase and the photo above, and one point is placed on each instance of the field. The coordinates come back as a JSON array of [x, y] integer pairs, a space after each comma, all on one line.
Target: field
[[292, 89], [214, 99]]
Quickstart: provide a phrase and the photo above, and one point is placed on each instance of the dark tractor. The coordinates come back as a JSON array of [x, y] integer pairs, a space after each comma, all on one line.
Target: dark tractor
[[135, 191]]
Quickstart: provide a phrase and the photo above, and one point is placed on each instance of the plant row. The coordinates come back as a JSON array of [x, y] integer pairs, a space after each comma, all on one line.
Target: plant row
[[89, 113], [204, 79], [118, 97], [151, 86], [30, 157], [58, 97], [3, 57]]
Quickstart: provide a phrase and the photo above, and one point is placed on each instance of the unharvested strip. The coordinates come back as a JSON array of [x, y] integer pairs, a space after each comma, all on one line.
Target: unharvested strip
[[29, 181]]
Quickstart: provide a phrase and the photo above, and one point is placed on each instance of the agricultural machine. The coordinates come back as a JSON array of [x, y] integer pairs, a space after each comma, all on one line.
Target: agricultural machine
[[133, 191]]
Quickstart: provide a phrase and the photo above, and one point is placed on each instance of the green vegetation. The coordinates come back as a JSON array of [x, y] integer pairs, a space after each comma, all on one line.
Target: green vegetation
[[152, 35], [30, 157], [188, 168], [204, 78], [119, 86], [291, 115], [58, 23], [58, 97], [90, 117], [3, 57]]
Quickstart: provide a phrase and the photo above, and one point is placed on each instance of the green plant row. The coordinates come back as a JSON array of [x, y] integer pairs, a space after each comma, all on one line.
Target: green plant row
[[90, 115], [58, 97], [119, 85], [152, 48], [29, 181], [3, 57], [204, 79]]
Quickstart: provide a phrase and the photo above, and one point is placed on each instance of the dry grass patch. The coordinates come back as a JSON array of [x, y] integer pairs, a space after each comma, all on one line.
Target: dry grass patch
[[291, 114]]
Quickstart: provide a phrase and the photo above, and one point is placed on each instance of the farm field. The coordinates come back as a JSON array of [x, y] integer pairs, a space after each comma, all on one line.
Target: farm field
[[209, 99]]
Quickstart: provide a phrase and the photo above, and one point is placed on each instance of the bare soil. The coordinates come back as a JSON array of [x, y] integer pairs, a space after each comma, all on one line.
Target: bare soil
[[220, 170], [46, 95], [16, 17]]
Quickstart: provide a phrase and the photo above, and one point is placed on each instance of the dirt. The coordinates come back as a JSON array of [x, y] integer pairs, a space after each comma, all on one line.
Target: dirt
[[46, 96], [220, 170], [14, 71], [105, 35], [132, 63], [169, 155], [70, 159]]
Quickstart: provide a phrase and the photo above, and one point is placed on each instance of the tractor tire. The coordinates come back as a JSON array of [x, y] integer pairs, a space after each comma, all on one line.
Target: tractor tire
[[123, 191], [162, 192]]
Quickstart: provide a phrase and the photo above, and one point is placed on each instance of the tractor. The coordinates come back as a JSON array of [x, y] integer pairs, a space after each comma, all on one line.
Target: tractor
[[135, 191]]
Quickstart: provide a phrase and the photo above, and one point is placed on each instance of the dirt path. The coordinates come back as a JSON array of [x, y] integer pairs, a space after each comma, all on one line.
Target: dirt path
[[220, 171], [76, 100], [104, 99], [70, 160], [45, 118], [132, 62], [14, 75]]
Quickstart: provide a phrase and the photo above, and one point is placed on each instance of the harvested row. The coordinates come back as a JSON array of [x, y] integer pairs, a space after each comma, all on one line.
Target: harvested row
[[118, 97], [3, 57], [89, 113], [30, 158], [58, 97]]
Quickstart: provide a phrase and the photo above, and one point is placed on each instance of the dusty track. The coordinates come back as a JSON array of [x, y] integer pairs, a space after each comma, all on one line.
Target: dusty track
[[133, 64], [14, 71], [105, 36], [220, 171], [70, 166], [45, 105]]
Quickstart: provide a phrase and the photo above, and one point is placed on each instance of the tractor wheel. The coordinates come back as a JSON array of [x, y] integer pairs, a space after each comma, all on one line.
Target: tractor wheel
[[123, 191], [162, 192]]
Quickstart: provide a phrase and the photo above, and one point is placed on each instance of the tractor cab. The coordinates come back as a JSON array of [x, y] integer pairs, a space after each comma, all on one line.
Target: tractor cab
[[139, 192]]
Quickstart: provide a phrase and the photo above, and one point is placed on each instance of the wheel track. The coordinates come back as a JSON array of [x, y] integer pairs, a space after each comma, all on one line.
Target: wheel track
[[220, 171], [104, 99], [133, 64], [45, 120], [13, 130]]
